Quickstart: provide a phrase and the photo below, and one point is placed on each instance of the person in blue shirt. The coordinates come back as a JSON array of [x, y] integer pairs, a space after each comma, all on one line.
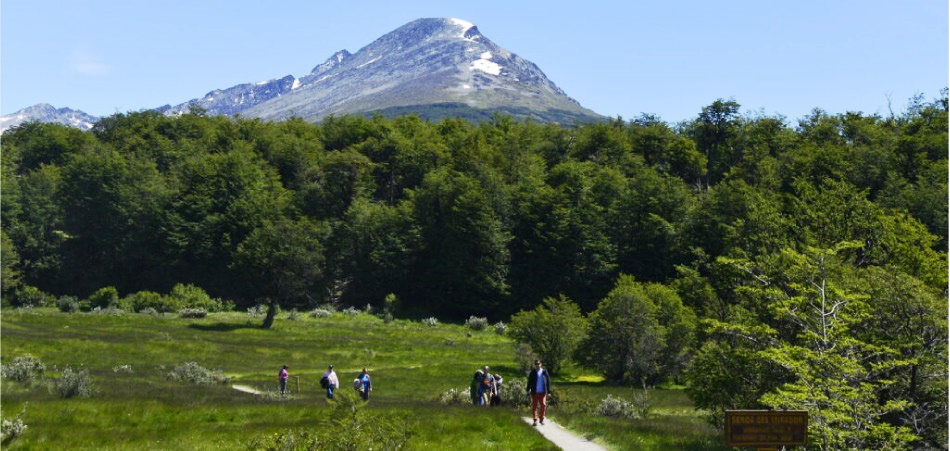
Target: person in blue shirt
[[367, 385], [539, 385]]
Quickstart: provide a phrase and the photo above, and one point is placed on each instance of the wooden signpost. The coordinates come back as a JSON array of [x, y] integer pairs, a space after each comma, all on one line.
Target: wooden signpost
[[766, 429]]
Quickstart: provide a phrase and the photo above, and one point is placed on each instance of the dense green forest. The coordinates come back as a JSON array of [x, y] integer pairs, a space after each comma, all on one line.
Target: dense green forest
[[763, 264]]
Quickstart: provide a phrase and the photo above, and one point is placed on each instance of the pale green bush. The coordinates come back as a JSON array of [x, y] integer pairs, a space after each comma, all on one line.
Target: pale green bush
[[321, 313], [196, 374], [192, 313], [73, 383], [455, 397], [11, 428], [25, 368], [476, 323]]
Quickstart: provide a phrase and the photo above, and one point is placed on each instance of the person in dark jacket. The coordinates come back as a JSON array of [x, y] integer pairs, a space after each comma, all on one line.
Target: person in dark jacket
[[539, 385]]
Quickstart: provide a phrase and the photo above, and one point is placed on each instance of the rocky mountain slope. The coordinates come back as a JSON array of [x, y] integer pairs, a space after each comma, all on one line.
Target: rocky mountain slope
[[432, 67]]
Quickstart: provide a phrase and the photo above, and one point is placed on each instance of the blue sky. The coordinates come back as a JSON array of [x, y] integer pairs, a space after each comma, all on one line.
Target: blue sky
[[619, 58]]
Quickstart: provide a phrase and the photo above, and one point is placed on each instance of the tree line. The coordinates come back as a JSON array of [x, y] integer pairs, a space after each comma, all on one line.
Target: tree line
[[762, 263]]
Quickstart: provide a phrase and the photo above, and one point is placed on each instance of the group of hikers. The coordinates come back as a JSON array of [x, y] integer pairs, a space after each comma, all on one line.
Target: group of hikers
[[330, 382], [485, 389]]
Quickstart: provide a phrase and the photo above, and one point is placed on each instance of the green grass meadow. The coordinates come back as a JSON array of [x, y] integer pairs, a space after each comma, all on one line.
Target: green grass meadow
[[411, 364]]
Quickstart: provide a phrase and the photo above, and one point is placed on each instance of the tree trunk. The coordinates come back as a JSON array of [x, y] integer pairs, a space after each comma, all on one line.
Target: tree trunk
[[271, 313]]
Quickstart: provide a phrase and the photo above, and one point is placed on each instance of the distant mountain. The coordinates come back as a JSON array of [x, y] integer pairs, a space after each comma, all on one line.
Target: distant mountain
[[435, 68], [44, 112]]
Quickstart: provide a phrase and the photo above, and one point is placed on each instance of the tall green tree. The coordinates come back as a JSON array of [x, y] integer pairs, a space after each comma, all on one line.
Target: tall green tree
[[282, 263], [553, 330], [838, 376], [639, 334], [463, 260]]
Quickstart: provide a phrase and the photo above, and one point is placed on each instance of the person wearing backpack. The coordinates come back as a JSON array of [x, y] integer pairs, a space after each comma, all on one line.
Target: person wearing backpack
[[330, 381], [539, 385], [474, 389], [496, 390]]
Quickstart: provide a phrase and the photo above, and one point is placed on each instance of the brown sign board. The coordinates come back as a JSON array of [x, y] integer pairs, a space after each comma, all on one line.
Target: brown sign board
[[766, 427]]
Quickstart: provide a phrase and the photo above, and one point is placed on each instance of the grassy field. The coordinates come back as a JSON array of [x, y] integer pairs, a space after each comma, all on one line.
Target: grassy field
[[137, 407]]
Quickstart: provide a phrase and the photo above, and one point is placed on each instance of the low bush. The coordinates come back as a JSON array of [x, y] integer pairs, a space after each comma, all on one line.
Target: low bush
[[25, 368], [29, 296], [191, 296], [103, 298], [67, 304], [148, 301], [430, 321], [73, 383], [348, 426], [501, 328], [257, 311], [476, 323], [196, 374], [524, 357], [455, 397], [192, 313], [11, 428], [321, 313]]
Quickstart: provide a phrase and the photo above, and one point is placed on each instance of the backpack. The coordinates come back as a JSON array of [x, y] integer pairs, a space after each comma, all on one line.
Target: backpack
[[325, 382], [486, 381], [357, 384]]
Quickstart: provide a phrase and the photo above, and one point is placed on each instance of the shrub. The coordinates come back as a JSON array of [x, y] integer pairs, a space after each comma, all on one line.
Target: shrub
[[11, 428], [348, 426], [146, 301], [524, 356], [321, 313], [67, 304], [615, 407], [642, 404], [192, 313], [430, 321], [500, 328], [25, 368], [191, 296], [455, 397], [122, 369], [476, 323], [257, 311], [74, 383], [514, 393], [351, 311], [104, 298], [29, 296], [197, 374], [293, 315]]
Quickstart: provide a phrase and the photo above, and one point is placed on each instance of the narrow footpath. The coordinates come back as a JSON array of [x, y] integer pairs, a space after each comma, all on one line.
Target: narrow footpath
[[563, 438]]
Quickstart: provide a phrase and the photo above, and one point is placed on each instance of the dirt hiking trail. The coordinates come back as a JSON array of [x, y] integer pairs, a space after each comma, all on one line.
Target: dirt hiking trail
[[563, 438]]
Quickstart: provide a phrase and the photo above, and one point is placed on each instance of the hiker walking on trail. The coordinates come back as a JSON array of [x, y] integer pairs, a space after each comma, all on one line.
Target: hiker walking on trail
[[496, 390], [330, 382], [365, 384], [486, 388], [475, 388], [539, 385], [282, 380]]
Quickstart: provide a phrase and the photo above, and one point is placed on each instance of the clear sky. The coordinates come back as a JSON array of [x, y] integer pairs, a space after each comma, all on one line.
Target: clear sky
[[619, 58]]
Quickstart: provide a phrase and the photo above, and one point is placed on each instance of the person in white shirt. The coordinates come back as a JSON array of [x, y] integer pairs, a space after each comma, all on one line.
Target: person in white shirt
[[332, 381]]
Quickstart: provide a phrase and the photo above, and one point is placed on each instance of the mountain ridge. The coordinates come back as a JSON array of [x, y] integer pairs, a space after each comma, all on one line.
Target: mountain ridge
[[433, 67]]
